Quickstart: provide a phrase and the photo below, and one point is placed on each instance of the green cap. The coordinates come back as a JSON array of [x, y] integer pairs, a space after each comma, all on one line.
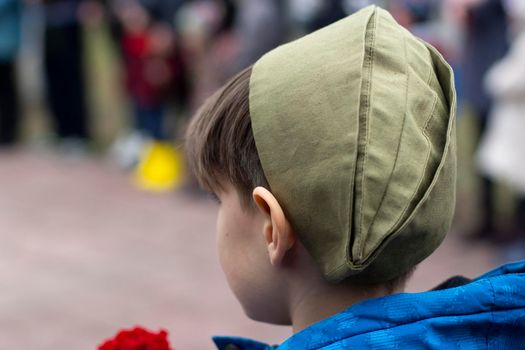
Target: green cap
[[355, 128]]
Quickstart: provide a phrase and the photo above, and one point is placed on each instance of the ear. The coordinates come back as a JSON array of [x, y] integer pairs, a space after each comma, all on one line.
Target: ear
[[277, 231]]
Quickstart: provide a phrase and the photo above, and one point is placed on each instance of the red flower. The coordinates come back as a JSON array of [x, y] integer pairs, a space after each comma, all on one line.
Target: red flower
[[137, 339]]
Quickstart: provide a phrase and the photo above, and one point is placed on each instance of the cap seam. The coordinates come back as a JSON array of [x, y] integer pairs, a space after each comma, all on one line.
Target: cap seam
[[392, 231], [341, 271], [364, 119], [397, 149], [446, 150]]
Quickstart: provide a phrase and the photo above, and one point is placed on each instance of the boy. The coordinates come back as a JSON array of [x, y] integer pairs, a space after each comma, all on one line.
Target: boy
[[333, 159]]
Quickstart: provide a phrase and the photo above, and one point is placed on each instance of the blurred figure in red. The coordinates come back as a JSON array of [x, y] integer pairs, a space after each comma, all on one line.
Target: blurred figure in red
[[146, 49], [154, 72]]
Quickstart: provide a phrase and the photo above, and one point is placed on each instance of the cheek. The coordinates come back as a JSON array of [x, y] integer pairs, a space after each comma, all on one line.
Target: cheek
[[238, 253], [237, 234], [224, 241], [228, 248], [243, 258]]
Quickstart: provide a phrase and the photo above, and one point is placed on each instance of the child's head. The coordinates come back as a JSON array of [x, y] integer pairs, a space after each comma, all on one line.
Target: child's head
[[333, 159], [222, 152]]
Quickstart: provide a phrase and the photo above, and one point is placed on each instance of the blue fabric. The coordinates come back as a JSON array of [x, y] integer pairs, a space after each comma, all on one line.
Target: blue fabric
[[488, 313], [61, 13], [241, 343], [150, 120], [10, 21]]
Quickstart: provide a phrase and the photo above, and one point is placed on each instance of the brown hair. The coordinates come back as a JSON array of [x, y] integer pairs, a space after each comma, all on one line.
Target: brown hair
[[220, 143]]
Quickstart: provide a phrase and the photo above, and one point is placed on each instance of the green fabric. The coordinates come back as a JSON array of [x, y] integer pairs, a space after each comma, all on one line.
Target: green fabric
[[355, 129]]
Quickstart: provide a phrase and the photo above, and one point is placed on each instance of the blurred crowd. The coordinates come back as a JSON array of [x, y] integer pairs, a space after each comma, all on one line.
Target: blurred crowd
[[175, 53]]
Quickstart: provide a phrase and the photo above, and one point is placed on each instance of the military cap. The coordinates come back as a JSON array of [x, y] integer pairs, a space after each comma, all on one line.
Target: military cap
[[355, 128]]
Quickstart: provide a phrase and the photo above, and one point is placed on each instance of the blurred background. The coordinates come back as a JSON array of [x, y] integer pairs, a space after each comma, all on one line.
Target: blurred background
[[102, 228]]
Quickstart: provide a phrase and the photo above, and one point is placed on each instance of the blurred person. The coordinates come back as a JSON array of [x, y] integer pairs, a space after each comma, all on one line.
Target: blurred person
[[164, 31], [64, 73], [10, 22], [315, 14], [502, 152], [146, 47], [259, 26], [154, 73], [206, 28], [486, 42], [162, 10], [334, 169], [326, 13], [233, 37], [206, 31]]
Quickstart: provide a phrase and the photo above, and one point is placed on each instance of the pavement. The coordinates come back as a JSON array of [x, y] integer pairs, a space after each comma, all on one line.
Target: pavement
[[83, 254]]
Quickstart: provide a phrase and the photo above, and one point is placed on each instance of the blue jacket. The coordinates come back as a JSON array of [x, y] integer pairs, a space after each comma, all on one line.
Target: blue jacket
[[487, 313]]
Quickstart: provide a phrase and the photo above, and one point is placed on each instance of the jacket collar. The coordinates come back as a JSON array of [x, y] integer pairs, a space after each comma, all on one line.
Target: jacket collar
[[238, 343], [400, 309]]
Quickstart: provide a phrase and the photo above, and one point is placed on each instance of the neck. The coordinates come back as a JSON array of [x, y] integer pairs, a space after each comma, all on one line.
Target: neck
[[317, 302]]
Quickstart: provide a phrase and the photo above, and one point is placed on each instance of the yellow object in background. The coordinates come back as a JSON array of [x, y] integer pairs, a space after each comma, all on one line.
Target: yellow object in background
[[160, 168]]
